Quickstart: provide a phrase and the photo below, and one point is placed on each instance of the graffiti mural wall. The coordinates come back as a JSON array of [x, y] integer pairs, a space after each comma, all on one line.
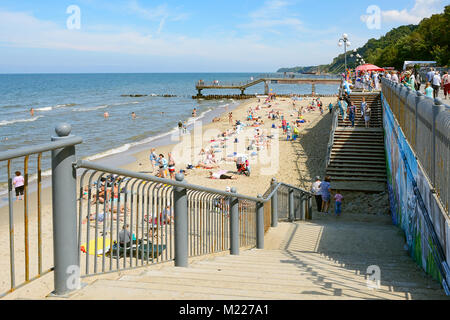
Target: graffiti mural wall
[[414, 207]]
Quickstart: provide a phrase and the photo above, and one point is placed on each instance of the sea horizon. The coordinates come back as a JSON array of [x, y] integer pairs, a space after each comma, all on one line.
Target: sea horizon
[[81, 99]]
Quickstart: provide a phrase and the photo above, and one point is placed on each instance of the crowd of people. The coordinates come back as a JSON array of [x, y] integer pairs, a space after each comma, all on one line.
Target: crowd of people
[[434, 81], [347, 109], [247, 130]]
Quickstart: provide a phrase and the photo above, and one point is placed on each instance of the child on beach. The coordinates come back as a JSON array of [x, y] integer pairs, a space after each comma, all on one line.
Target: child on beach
[[19, 182], [338, 204], [171, 165]]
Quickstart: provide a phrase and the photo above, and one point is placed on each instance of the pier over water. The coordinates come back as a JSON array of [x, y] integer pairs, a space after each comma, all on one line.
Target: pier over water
[[201, 85]]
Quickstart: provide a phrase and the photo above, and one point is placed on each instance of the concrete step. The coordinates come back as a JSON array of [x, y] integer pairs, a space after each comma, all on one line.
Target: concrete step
[[356, 169], [296, 261], [356, 173], [368, 162], [318, 278], [112, 290], [357, 155], [325, 287], [356, 149], [352, 179], [350, 166]]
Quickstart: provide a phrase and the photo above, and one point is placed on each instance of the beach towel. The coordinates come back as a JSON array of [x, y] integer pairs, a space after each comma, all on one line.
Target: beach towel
[[91, 248]]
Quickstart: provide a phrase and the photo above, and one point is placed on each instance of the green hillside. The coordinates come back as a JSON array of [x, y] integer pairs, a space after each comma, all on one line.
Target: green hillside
[[430, 40]]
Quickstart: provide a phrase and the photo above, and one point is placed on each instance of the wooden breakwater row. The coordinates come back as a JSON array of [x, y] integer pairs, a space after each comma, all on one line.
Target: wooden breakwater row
[[251, 96], [148, 95]]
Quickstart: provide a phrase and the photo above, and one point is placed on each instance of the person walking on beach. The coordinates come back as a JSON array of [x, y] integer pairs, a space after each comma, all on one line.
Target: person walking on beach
[[338, 203], [194, 113], [325, 192], [180, 127], [19, 183], [162, 164], [316, 191], [330, 107], [230, 117], [171, 165], [153, 159], [436, 84]]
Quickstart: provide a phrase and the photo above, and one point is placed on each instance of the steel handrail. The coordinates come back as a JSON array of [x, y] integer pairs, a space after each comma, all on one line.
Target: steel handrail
[[26, 151], [82, 164]]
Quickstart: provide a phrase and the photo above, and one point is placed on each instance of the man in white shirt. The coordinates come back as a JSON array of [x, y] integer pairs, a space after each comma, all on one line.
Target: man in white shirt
[[316, 191], [436, 84], [388, 76], [394, 77]]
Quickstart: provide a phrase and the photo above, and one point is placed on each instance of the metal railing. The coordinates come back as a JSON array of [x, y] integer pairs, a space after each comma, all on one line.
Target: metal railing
[[162, 215], [113, 219], [64, 142], [334, 125], [426, 124]]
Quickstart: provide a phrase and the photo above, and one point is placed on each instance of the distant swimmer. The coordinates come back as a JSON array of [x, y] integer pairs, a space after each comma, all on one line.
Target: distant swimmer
[[194, 113], [106, 115], [133, 116], [32, 112]]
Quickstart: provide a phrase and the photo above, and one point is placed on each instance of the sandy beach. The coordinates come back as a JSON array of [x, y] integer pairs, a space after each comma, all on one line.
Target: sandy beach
[[292, 162]]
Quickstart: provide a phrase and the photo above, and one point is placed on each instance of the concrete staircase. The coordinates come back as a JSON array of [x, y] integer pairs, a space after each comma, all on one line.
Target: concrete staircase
[[357, 160], [313, 261]]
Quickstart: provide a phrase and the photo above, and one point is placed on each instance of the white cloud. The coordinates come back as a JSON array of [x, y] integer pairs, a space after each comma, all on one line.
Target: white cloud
[[22, 30], [161, 13], [422, 9], [272, 14]]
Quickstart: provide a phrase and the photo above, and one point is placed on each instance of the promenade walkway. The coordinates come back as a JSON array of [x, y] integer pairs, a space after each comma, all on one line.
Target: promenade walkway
[[326, 259]]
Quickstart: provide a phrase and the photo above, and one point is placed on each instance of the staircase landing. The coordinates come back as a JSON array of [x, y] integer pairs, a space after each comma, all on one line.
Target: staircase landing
[[312, 262]]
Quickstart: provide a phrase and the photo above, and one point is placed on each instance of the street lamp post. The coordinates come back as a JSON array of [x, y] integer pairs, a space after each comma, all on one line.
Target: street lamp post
[[344, 41]]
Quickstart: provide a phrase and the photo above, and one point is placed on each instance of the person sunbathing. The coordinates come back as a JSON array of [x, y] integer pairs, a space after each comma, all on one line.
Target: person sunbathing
[[101, 216], [221, 175], [202, 165]]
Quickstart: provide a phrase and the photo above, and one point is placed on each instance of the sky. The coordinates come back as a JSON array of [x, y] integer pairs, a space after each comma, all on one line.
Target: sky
[[90, 36]]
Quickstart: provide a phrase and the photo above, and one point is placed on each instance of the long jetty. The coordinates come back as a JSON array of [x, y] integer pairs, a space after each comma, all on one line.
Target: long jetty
[[216, 85]]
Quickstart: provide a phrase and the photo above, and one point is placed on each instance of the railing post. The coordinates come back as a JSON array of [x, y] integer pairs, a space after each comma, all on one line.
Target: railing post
[[291, 205], [260, 224], [234, 224], [181, 224], [419, 98], [310, 205], [274, 203], [65, 236], [302, 208], [437, 107]]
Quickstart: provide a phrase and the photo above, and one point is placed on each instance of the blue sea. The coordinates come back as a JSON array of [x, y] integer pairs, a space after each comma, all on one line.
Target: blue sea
[[82, 99]]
